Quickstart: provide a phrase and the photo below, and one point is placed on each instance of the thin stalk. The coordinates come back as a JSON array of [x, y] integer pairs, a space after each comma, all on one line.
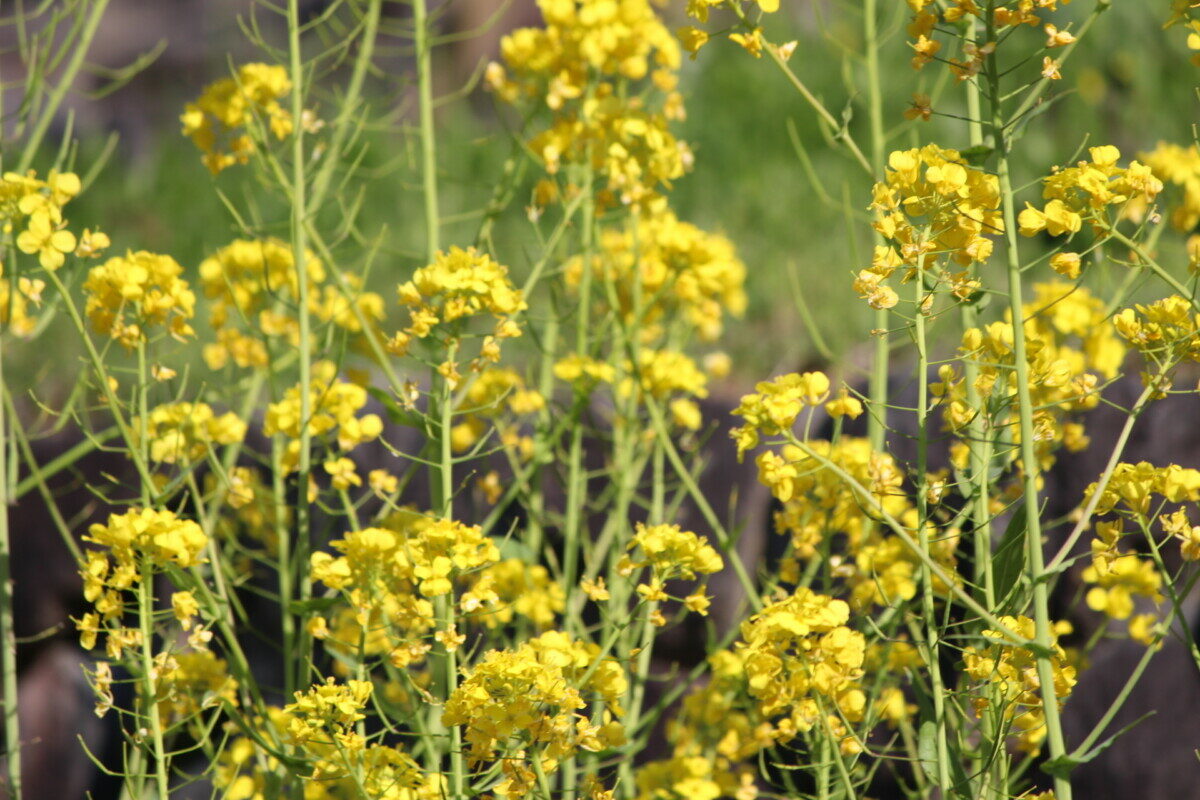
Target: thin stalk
[[978, 473], [425, 103], [1033, 529], [146, 618], [878, 386], [928, 606], [576, 475], [296, 565], [8, 637]]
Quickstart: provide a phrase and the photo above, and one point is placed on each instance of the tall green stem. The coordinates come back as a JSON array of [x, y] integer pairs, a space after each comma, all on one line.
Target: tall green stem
[[928, 604], [8, 638], [298, 563], [1034, 562], [878, 388], [428, 145]]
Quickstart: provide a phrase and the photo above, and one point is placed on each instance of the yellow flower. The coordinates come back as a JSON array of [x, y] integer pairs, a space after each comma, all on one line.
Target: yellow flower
[[1066, 264], [218, 121], [129, 294], [919, 107], [752, 42], [692, 38], [42, 237], [343, 474]]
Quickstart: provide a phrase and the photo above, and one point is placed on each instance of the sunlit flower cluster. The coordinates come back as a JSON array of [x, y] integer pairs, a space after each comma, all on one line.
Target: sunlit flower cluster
[[18, 307], [581, 39], [187, 431], [1178, 166], [38, 205], [492, 394], [803, 664], [632, 150], [224, 119], [1132, 487], [533, 698], [932, 205], [773, 408], [132, 545], [511, 589], [334, 406], [1084, 192], [253, 287], [1012, 672], [127, 295], [1166, 331], [1070, 349], [667, 268]]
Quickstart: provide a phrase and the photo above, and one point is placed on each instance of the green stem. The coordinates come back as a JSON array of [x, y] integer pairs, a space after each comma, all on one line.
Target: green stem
[[1034, 565], [146, 618], [425, 102], [880, 363], [297, 564], [8, 637], [928, 606]]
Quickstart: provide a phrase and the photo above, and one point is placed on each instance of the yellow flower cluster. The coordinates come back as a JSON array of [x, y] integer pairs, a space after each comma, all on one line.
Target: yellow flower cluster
[[1069, 348], [256, 282], [876, 567], [1004, 17], [697, 777], [186, 431], [333, 404], [1132, 487], [718, 730], [932, 204], [528, 702], [581, 61], [457, 285], [327, 713], [126, 295], [773, 408], [246, 770], [510, 589], [1117, 577], [389, 576], [665, 267], [663, 373], [582, 39], [583, 371], [1012, 672], [1083, 193], [671, 552], [631, 149], [188, 683], [1166, 331], [38, 205], [803, 664], [136, 540], [1178, 166], [222, 120]]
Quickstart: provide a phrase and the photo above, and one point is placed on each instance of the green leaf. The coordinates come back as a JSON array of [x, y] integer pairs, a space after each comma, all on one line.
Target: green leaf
[[313, 605], [978, 155], [927, 750], [1008, 559]]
